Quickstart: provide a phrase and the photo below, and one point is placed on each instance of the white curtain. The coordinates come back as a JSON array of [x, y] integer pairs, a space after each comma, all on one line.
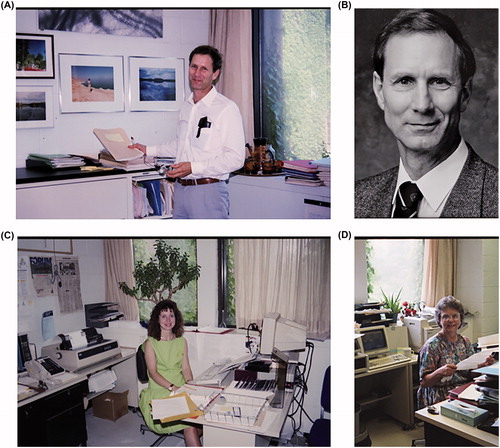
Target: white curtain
[[288, 276], [231, 34], [440, 265], [119, 267]]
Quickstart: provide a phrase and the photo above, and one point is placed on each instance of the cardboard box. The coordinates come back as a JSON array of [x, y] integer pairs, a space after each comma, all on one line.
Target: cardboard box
[[463, 412], [111, 405]]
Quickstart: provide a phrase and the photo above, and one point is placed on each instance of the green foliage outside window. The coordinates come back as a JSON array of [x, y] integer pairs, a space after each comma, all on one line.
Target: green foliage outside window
[[295, 78]]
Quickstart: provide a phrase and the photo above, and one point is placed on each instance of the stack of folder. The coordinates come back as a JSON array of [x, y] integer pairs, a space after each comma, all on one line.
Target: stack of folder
[[54, 161], [152, 198], [301, 172]]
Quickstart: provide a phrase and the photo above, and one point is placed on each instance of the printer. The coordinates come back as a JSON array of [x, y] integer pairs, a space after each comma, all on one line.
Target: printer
[[419, 330], [79, 349]]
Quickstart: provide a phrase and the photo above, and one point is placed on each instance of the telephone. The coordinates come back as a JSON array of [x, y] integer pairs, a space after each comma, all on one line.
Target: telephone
[[44, 369]]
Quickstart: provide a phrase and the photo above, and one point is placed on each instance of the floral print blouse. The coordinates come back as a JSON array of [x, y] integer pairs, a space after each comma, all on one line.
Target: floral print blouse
[[437, 352]]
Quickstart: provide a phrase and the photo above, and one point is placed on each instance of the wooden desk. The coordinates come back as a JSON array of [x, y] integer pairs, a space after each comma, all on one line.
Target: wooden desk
[[398, 379], [460, 429]]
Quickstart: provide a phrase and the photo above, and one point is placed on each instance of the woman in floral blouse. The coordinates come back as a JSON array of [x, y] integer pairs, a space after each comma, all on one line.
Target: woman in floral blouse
[[442, 352]]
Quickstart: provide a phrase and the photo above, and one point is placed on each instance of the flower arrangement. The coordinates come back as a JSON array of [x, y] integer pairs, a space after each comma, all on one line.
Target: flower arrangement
[[408, 309]]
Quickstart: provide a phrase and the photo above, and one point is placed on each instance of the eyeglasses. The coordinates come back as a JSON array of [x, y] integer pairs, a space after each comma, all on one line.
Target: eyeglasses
[[450, 316]]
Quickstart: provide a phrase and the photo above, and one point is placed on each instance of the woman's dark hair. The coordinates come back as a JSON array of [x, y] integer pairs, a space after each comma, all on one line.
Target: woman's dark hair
[[154, 329], [210, 51], [449, 302], [425, 21]]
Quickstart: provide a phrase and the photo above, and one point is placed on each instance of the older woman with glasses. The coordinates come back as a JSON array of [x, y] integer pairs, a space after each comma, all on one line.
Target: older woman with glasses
[[442, 352]]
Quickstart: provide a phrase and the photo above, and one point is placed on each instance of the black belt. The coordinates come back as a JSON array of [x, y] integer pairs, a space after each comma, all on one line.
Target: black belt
[[202, 181]]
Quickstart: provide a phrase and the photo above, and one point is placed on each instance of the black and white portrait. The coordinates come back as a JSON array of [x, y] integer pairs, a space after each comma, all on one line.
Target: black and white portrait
[[426, 104]]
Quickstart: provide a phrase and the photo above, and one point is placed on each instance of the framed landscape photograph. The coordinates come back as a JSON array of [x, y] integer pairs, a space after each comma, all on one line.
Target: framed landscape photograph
[[90, 83], [34, 56], [156, 84], [34, 107]]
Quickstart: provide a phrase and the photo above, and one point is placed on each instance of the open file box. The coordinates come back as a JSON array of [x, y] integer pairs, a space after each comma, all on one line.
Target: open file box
[[236, 409]]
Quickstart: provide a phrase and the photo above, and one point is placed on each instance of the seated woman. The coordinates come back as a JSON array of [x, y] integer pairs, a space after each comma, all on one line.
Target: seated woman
[[442, 352], [166, 354]]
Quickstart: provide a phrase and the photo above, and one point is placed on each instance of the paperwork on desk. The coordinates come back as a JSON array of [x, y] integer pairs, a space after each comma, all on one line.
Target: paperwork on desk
[[202, 396], [473, 361], [174, 407]]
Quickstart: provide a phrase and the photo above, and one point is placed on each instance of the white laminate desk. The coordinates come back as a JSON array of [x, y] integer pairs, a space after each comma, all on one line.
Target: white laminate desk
[[226, 434], [56, 417], [398, 379], [460, 429]]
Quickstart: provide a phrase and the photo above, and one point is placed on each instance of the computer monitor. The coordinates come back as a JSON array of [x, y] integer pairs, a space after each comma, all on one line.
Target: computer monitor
[[281, 359], [374, 341], [283, 334], [23, 351]]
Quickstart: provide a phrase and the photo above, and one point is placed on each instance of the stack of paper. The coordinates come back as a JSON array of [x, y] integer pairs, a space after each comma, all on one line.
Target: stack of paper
[[324, 170], [54, 161], [301, 172], [173, 408]]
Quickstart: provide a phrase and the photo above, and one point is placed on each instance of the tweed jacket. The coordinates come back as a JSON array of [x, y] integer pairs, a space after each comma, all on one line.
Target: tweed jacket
[[475, 194]]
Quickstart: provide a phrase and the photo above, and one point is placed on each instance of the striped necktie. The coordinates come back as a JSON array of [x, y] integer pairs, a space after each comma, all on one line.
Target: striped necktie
[[407, 201]]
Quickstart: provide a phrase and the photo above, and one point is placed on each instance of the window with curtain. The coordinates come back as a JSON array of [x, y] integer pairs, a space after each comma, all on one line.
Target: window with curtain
[[186, 298], [290, 276], [292, 81]]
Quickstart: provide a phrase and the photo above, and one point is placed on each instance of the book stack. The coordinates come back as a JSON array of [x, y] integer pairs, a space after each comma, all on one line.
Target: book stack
[[140, 163], [301, 172], [54, 161], [323, 170]]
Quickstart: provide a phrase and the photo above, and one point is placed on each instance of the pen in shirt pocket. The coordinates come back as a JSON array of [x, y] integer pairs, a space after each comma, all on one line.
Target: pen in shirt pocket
[[203, 123]]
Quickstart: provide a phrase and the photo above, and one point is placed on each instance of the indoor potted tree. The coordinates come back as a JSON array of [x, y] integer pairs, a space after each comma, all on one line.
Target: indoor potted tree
[[161, 277]]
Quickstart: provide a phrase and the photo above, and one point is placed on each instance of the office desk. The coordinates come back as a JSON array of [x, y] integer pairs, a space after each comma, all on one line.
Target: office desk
[[457, 428], [225, 434], [398, 379], [56, 417]]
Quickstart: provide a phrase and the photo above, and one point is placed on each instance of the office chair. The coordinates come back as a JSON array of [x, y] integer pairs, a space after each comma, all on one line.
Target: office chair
[[319, 435], [142, 376]]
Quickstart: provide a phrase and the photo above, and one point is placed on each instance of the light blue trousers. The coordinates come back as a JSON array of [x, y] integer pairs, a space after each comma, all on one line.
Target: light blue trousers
[[210, 201]]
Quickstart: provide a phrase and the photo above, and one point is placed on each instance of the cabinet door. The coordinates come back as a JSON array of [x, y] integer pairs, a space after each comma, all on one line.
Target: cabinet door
[[106, 198]]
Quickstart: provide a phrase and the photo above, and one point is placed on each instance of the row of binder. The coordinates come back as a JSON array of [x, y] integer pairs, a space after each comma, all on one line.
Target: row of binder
[[153, 198]]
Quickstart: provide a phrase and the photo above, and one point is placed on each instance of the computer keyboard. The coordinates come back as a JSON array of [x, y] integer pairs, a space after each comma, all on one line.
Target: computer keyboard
[[389, 360]]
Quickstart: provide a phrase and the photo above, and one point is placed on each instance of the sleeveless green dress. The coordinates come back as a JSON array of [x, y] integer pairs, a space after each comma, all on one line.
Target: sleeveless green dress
[[169, 356]]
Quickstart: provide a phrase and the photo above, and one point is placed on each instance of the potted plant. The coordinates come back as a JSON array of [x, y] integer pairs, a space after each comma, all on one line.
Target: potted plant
[[165, 274], [391, 302]]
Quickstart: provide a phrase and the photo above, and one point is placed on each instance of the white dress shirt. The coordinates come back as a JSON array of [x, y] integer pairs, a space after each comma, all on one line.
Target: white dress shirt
[[436, 185], [214, 151]]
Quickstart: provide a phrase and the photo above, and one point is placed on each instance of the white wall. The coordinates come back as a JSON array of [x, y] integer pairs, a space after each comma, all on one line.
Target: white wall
[[477, 282], [183, 31], [90, 253]]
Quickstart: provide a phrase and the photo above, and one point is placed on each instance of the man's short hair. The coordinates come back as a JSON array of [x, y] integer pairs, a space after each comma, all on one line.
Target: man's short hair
[[425, 21], [212, 52]]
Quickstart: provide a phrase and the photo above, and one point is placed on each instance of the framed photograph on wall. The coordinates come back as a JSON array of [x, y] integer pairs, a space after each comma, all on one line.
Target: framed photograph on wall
[[34, 107], [91, 83], [156, 84], [34, 56]]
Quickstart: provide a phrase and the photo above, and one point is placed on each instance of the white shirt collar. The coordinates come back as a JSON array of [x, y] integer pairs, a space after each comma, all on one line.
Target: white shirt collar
[[207, 98], [436, 185]]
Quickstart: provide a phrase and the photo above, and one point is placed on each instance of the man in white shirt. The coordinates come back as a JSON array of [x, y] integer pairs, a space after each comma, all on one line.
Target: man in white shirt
[[210, 143], [422, 82]]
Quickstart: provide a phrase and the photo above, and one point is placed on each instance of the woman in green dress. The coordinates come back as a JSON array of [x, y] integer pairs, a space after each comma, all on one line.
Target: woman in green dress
[[166, 354]]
